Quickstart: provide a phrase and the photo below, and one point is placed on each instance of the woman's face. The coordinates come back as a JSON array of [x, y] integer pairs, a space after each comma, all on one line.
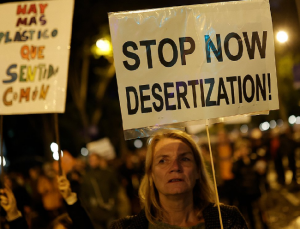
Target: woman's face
[[174, 169]]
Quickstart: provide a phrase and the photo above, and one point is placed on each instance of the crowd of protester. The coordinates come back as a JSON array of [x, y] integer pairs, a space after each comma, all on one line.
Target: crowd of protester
[[108, 189], [243, 162]]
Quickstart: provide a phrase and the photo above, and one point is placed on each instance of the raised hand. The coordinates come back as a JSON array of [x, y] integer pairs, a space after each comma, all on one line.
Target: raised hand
[[64, 186], [9, 203]]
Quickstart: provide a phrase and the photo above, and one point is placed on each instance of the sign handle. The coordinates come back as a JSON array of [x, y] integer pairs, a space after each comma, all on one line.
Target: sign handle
[[1, 150], [214, 175], [1, 154], [58, 143]]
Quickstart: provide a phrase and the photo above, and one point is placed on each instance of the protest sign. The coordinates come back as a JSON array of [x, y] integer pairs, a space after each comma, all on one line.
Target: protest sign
[[103, 148], [34, 54], [196, 62]]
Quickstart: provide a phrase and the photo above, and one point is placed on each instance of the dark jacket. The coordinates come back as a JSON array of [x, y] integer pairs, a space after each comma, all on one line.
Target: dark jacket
[[79, 216], [99, 195], [231, 218], [18, 223]]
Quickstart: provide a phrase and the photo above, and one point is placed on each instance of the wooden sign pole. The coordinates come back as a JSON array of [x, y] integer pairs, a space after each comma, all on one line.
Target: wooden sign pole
[[1, 154], [58, 143], [214, 175]]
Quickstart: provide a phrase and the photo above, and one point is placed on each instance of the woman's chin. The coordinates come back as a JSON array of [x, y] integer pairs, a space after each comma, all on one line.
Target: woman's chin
[[178, 191]]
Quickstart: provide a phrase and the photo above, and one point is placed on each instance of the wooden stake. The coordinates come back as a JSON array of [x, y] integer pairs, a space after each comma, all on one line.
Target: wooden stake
[[214, 176], [1, 154], [1, 150], [58, 143]]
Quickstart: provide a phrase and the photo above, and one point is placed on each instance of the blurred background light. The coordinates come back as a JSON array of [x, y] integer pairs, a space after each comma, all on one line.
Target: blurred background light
[[282, 36], [244, 129], [279, 122], [292, 119], [4, 161], [55, 155], [272, 124], [103, 47], [54, 147], [84, 151], [138, 143], [298, 120], [264, 126]]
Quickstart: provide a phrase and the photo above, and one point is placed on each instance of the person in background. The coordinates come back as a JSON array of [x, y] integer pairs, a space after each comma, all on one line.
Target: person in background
[[247, 172], [277, 159], [15, 183], [99, 191], [13, 215], [224, 155], [287, 147], [62, 222], [31, 184], [51, 198], [260, 153], [128, 173], [77, 213], [175, 191], [76, 174]]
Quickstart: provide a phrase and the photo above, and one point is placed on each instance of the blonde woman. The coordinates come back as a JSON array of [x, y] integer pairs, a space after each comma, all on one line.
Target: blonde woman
[[176, 191]]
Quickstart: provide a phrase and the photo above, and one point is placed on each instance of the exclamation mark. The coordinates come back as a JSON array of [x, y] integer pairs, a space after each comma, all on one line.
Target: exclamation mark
[[269, 84]]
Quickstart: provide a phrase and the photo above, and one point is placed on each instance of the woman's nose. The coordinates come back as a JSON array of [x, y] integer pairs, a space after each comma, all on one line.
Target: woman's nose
[[175, 166]]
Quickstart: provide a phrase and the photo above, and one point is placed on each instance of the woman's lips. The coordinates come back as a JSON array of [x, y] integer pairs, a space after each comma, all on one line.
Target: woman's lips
[[175, 180]]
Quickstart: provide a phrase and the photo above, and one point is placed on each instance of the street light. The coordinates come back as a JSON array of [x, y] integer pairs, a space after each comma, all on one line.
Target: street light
[[282, 37], [103, 47]]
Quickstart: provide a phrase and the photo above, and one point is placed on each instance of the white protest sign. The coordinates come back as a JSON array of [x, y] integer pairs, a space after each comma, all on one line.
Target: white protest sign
[[197, 62], [103, 148], [35, 41]]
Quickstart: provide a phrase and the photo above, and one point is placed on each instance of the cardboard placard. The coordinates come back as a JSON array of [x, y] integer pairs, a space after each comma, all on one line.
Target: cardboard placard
[[35, 41], [196, 62]]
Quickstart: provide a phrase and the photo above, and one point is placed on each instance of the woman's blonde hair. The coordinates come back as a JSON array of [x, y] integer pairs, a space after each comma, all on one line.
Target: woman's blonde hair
[[203, 193]]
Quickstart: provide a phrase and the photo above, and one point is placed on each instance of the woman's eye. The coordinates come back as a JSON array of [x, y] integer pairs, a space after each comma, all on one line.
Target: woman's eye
[[161, 161], [185, 159]]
